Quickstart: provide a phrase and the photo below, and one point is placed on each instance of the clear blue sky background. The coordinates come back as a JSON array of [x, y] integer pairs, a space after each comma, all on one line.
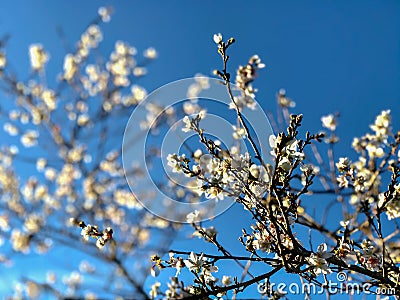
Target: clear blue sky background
[[330, 56]]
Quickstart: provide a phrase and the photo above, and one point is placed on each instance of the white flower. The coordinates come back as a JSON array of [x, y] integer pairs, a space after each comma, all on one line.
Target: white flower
[[292, 150], [188, 124], [49, 98], [343, 164], [256, 60], [226, 280], [272, 144], [41, 164], [209, 278], [329, 122], [318, 260], [150, 53], [193, 217], [392, 207], [105, 14], [343, 182], [258, 189], [85, 232], [38, 57], [4, 223], [29, 139], [176, 263], [10, 129], [374, 151], [174, 161], [100, 242], [345, 252], [20, 241], [319, 265], [217, 38], [263, 241], [70, 67], [214, 192], [194, 262], [382, 124], [207, 270]]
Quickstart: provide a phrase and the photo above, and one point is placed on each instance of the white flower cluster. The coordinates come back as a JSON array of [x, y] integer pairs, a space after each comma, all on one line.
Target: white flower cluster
[[245, 75], [273, 196], [105, 13], [192, 123], [362, 175], [391, 203], [89, 231], [38, 57], [81, 173], [197, 264], [177, 162], [375, 143], [122, 63], [201, 266]]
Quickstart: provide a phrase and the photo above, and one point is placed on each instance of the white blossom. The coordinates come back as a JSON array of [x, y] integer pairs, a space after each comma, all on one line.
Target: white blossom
[[318, 261], [329, 122], [193, 217], [194, 262], [217, 38]]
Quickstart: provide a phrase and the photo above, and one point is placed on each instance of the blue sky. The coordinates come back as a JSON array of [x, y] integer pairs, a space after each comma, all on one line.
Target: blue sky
[[330, 56]]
